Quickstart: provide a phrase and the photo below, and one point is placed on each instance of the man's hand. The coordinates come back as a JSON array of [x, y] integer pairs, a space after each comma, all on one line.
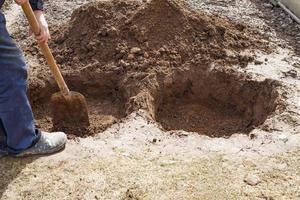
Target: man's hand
[[21, 2], [44, 35]]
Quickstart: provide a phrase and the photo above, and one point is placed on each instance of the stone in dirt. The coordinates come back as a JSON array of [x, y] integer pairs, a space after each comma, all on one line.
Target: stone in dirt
[[252, 179]]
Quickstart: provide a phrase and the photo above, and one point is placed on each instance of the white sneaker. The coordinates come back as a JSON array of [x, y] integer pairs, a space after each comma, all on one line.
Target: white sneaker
[[48, 143]]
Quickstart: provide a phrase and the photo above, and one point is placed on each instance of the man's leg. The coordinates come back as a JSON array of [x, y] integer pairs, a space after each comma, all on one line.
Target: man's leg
[[16, 118], [18, 135]]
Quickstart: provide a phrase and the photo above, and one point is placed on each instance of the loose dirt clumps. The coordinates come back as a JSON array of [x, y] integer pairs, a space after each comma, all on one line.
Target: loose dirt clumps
[[165, 58]]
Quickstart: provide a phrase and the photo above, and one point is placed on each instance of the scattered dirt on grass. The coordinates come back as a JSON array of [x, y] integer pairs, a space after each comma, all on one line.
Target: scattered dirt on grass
[[165, 58]]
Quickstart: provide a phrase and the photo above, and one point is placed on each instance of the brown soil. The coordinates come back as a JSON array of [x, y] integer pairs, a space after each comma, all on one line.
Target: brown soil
[[164, 58], [216, 103], [105, 104]]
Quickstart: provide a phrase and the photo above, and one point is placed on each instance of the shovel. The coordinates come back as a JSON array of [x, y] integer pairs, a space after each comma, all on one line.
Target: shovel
[[69, 109]]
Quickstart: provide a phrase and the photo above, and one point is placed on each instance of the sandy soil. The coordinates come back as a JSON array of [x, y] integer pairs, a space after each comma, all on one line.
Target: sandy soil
[[136, 158]]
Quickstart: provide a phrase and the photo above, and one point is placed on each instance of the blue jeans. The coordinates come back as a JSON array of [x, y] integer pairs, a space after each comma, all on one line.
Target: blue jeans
[[17, 129]]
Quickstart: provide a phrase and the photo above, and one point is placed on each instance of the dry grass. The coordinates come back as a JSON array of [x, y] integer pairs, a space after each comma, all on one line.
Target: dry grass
[[163, 177]]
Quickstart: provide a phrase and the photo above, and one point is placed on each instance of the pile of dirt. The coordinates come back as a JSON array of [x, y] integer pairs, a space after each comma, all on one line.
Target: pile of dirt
[[136, 36], [160, 56]]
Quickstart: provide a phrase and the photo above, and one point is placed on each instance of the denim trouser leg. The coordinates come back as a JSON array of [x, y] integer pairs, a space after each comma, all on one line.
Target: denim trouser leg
[[17, 130]]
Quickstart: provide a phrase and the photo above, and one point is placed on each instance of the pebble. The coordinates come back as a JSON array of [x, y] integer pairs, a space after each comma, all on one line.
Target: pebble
[[135, 50], [283, 138], [268, 5], [130, 56], [146, 55], [252, 179], [113, 32], [123, 63]]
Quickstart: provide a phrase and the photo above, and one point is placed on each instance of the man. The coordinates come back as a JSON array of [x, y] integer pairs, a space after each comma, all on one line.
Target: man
[[18, 135]]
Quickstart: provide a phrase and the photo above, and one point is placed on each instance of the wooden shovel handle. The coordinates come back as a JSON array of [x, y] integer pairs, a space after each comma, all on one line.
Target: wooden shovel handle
[[45, 48]]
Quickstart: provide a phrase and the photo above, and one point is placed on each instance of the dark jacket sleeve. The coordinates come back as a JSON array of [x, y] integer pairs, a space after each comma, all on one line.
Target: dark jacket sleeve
[[37, 4]]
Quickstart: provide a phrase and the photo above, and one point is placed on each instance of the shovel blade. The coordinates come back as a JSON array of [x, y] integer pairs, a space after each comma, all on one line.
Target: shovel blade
[[69, 111]]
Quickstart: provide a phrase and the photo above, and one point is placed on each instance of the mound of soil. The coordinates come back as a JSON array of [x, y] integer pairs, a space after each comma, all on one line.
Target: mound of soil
[[167, 59], [160, 34]]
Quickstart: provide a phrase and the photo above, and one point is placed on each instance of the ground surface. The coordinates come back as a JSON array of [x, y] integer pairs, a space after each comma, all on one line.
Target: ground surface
[[136, 158]]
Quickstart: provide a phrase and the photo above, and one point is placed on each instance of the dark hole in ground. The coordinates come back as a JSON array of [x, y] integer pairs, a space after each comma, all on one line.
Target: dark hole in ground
[[215, 103]]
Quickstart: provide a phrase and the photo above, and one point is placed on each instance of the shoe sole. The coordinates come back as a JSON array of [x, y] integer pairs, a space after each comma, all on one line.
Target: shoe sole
[[50, 152]]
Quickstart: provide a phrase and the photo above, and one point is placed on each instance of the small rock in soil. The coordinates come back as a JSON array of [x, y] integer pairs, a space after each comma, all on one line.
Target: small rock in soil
[[283, 138], [252, 179], [135, 50]]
